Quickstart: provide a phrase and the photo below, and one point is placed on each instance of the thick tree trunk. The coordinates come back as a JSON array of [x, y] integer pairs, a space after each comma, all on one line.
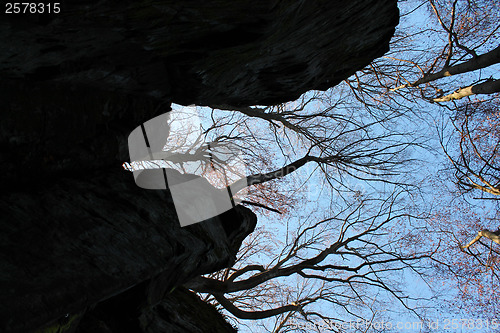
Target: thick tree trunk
[[488, 87], [481, 61]]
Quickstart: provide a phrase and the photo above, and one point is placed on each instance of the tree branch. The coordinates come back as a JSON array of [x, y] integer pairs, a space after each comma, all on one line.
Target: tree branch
[[488, 87], [256, 204], [481, 61], [229, 306], [246, 269], [483, 233], [282, 172]]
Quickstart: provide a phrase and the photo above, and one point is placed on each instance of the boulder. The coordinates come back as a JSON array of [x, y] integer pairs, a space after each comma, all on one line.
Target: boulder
[[240, 53]]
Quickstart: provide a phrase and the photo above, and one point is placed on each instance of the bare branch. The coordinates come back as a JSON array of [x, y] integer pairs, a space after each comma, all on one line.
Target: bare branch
[[229, 306]]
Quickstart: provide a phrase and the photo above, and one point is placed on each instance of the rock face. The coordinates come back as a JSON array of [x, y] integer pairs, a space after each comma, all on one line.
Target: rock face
[[82, 238], [75, 231], [200, 52]]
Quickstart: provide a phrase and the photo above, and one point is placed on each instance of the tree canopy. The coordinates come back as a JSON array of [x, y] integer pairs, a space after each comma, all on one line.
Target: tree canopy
[[380, 191]]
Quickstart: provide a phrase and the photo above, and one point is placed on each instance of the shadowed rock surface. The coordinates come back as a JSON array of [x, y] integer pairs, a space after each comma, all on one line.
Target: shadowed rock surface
[[82, 239], [75, 231], [200, 52]]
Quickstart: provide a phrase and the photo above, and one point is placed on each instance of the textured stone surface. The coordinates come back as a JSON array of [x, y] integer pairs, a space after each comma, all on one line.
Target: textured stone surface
[[74, 229], [179, 311], [77, 241], [201, 52], [175, 314]]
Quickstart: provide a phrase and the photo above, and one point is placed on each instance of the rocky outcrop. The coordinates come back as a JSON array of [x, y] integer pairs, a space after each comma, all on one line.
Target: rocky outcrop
[[75, 241], [75, 231], [200, 52], [179, 311]]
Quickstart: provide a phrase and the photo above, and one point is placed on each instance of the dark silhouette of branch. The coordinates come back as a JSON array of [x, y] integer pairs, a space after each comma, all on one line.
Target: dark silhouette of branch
[[229, 306]]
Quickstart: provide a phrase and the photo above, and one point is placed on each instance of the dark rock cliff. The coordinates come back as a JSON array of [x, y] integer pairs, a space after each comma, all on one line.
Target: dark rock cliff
[[77, 237], [243, 52]]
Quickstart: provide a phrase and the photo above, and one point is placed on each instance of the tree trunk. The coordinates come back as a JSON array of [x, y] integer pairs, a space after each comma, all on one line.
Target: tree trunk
[[488, 87], [484, 233], [482, 61]]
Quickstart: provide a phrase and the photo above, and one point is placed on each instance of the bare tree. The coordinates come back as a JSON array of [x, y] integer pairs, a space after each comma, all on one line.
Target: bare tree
[[469, 264], [343, 149], [475, 158], [456, 39], [336, 262], [280, 140]]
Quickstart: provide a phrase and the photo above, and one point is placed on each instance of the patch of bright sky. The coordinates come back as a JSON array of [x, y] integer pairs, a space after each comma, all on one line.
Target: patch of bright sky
[[319, 203]]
